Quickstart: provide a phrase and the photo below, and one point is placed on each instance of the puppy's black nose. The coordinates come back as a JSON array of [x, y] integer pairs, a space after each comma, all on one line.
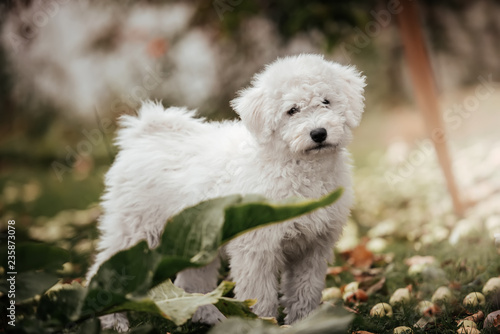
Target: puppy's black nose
[[318, 135]]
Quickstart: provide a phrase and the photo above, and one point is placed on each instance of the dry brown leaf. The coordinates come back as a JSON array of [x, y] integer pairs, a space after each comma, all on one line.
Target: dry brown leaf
[[496, 322], [347, 308], [336, 270], [356, 297], [360, 257], [479, 316], [376, 287], [362, 332], [492, 320]]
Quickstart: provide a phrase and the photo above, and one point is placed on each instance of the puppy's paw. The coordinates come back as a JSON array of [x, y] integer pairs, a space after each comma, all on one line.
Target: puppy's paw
[[208, 314], [116, 321]]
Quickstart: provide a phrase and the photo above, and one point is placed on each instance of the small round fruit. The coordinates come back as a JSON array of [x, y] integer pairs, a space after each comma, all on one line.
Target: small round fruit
[[330, 294], [381, 310], [351, 287], [423, 306], [403, 330], [400, 296], [493, 285], [443, 294], [474, 299], [467, 323], [417, 268]]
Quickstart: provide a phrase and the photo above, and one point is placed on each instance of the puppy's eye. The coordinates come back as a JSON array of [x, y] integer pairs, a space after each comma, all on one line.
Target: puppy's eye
[[325, 101], [293, 111]]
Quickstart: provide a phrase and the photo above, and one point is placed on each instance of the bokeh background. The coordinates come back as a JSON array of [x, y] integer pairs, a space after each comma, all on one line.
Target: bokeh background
[[69, 69]]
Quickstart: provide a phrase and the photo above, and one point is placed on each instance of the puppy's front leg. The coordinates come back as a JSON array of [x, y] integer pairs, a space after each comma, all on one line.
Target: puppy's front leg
[[255, 271], [202, 280], [302, 281]]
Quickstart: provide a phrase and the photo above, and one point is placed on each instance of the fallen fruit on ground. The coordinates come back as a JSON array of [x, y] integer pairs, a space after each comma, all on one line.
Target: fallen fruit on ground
[[491, 286], [443, 294], [423, 305], [474, 299], [467, 323], [400, 296], [381, 310], [331, 294], [402, 330]]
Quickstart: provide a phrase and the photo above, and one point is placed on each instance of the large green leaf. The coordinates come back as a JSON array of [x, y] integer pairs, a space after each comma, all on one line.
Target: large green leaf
[[179, 306], [327, 319], [190, 239]]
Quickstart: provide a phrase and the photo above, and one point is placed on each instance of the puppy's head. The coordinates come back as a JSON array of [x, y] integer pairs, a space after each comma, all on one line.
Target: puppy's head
[[303, 103]]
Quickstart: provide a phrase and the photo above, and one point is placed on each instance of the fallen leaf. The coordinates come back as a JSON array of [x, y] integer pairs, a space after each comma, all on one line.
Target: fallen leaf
[[360, 257], [336, 270], [355, 297], [493, 320], [476, 317], [375, 287], [347, 308]]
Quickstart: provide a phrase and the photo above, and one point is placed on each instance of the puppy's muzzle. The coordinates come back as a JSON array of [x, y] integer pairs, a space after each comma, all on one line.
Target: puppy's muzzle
[[318, 135]]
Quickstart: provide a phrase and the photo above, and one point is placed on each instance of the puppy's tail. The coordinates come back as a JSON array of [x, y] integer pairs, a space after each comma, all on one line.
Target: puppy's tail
[[152, 118]]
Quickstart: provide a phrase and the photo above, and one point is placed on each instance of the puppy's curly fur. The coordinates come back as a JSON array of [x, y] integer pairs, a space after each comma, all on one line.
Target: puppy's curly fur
[[296, 120]]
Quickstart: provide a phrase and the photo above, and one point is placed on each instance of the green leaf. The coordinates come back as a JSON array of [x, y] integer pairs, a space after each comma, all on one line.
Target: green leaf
[[36, 256], [32, 283], [64, 304], [190, 239], [128, 271], [137, 305], [240, 217], [233, 307], [196, 232], [327, 319], [178, 305]]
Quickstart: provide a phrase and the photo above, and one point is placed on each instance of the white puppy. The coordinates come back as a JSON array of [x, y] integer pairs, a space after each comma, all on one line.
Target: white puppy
[[296, 121]]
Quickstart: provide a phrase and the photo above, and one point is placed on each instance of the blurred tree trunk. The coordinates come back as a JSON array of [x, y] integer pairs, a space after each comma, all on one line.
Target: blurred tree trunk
[[425, 91]]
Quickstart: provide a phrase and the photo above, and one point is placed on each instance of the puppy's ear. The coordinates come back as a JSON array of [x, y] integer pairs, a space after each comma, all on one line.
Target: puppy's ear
[[250, 106], [353, 89]]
